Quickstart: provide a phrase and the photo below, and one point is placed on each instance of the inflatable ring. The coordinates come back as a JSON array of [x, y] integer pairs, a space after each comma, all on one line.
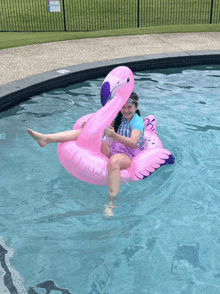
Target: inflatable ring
[[82, 158]]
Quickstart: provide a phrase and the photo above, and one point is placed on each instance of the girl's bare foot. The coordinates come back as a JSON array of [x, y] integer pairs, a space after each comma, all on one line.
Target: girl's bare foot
[[40, 138], [109, 209]]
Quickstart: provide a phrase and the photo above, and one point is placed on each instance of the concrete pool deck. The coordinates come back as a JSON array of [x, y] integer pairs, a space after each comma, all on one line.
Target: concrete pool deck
[[21, 62], [22, 67]]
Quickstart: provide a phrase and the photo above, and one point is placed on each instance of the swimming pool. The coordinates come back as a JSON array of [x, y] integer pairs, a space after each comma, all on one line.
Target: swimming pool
[[164, 237]]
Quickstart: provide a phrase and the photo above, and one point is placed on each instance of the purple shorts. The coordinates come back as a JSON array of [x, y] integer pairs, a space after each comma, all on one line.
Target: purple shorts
[[117, 147]]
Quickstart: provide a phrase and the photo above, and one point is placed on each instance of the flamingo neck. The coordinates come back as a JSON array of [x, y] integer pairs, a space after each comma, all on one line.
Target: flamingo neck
[[91, 133]]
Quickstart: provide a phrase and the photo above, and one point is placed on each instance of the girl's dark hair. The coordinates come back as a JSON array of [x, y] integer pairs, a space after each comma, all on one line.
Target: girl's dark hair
[[118, 118]]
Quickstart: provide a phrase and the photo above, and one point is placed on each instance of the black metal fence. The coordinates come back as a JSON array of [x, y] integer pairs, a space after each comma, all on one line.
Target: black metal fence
[[93, 15]]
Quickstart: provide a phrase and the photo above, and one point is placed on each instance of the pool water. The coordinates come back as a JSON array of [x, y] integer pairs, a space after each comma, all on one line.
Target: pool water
[[165, 235]]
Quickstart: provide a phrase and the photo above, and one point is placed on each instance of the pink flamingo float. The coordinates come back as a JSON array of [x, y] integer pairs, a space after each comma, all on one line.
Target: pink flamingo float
[[82, 158]]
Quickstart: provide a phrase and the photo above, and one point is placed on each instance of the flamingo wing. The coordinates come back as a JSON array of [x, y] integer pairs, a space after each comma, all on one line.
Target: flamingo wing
[[146, 162]]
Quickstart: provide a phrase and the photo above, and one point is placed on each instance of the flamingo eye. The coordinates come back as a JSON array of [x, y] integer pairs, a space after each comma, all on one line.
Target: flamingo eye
[[128, 80]]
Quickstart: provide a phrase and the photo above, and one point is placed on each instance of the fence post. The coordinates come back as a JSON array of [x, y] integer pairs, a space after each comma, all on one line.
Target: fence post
[[64, 16], [138, 8], [211, 12]]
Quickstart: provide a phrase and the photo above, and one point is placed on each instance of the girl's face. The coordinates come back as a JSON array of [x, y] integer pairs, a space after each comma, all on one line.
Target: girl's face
[[128, 110]]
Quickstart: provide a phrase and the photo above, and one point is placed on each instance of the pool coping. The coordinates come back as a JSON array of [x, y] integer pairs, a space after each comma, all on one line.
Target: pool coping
[[13, 93]]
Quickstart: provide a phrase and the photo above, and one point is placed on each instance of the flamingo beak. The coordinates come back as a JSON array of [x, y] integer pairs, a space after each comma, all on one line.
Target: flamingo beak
[[105, 93]]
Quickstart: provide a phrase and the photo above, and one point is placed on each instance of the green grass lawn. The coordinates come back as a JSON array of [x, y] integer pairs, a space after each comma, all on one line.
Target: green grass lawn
[[92, 15], [101, 18], [9, 40]]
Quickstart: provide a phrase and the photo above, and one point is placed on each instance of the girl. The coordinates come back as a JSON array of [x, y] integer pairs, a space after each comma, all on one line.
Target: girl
[[127, 130], [128, 133]]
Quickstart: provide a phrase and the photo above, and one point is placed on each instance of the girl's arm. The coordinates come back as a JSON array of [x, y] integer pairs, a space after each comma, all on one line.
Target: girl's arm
[[129, 142]]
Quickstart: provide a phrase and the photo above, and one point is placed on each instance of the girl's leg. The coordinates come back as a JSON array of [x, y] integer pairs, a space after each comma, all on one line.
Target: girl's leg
[[63, 136], [43, 140], [116, 163], [105, 149]]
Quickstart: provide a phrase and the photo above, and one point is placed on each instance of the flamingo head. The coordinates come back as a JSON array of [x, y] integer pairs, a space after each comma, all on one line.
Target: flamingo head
[[120, 80]]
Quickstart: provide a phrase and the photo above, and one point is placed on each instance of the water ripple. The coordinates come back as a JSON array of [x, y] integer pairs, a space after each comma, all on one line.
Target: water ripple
[[166, 228]]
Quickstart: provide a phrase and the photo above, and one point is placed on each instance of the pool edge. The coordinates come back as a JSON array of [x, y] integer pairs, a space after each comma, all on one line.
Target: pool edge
[[13, 93]]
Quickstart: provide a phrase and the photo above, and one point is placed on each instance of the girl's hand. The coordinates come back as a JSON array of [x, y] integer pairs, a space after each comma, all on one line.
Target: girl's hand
[[110, 132], [83, 124]]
